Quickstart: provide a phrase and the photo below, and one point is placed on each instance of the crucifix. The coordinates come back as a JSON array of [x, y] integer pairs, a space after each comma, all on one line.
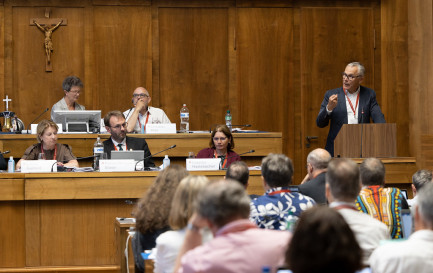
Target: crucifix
[[7, 100], [48, 25]]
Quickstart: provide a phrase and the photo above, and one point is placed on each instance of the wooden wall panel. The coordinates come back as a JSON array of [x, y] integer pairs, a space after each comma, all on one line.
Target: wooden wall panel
[[12, 235], [193, 60], [123, 55]]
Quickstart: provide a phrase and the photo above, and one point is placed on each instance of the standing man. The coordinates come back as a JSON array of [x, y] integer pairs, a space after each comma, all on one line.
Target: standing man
[[116, 125], [72, 86], [349, 104], [142, 114], [314, 183]]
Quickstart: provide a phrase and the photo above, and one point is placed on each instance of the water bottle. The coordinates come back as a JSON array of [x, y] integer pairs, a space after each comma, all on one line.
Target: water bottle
[[98, 150], [291, 222], [165, 162], [229, 120], [184, 119], [11, 165]]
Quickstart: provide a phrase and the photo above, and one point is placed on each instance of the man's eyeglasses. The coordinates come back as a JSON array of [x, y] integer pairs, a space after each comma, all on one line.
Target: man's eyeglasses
[[219, 138], [120, 126], [140, 95], [349, 77]]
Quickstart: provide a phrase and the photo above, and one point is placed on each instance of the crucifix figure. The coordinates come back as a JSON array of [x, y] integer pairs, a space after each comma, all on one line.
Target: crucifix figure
[[48, 25]]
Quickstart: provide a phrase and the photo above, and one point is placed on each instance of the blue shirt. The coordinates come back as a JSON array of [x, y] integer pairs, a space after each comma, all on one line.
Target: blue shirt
[[272, 209]]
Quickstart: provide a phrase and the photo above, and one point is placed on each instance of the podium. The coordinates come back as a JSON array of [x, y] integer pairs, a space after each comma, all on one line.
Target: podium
[[366, 140]]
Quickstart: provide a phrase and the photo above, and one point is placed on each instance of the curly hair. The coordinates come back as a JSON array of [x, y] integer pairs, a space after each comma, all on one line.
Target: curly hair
[[153, 208]]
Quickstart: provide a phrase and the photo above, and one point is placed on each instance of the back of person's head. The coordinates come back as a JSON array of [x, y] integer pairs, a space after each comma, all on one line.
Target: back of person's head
[[238, 171], [322, 234], [372, 172], [425, 204], [343, 179], [277, 170], [153, 209], [221, 202], [420, 178], [182, 206], [319, 158]]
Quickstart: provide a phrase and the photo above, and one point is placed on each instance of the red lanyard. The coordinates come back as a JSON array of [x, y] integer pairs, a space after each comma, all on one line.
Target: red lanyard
[[55, 151], [225, 160], [277, 192], [147, 119], [116, 148], [350, 102]]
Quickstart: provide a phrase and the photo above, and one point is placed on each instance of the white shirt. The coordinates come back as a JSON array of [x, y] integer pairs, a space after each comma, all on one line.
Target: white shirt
[[412, 255], [351, 118], [368, 231], [156, 115]]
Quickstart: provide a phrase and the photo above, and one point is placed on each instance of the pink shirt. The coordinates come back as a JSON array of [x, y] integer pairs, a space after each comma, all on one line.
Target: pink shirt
[[239, 246]]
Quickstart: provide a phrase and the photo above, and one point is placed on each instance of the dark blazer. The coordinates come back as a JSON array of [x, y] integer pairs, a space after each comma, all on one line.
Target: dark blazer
[[3, 163], [368, 108], [134, 144], [315, 188]]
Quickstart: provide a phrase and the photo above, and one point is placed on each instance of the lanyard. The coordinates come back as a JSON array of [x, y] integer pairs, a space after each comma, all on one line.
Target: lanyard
[[225, 160], [350, 102], [147, 119], [43, 154], [277, 192]]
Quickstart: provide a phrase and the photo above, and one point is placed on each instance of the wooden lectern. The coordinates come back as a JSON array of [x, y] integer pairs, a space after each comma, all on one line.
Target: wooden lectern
[[366, 140]]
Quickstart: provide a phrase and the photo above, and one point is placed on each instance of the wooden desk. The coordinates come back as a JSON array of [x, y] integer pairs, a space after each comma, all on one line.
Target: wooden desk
[[63, 222]]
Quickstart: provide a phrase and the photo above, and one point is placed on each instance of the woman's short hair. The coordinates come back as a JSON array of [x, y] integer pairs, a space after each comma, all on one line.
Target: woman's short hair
[[322, 233], [71, 81], [182, 206], [153, 208], [42, 126], [226, 131]]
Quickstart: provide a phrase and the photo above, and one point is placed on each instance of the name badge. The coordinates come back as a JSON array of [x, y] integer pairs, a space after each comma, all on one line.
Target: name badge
[[117, 165], [160, 128], [38, 166], [203, 164]]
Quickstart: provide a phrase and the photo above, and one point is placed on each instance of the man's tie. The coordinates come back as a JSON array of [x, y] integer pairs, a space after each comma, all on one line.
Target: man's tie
[[120, 147]]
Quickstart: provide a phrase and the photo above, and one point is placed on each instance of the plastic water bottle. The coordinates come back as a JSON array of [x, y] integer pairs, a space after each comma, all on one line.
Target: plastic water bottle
[[98, 150], [184, 119], [165, 162], [291, 222], [11, 165], [229, 120]]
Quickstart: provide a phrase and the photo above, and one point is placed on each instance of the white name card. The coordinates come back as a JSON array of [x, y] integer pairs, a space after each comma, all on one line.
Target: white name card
[[38, 166], [117, 165], [160, 128], [203, 164]]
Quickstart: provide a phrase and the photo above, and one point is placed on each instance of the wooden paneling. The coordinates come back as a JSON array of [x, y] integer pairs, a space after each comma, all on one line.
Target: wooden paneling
[[193, 60]]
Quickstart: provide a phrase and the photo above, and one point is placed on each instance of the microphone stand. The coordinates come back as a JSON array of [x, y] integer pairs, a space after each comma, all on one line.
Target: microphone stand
[[223, 158], [147, 157], [36, 119]]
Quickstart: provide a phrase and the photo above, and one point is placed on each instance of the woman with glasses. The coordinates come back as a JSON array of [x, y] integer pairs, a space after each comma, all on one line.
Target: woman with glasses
[[72, 86], [48, 148], [221, 146]]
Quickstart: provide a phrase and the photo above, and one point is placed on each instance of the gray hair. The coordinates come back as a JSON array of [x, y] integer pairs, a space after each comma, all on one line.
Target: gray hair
[[221, 202], [319, 158], [420, 178], [425, 203], [238, 171], [71, 81], [372, 172], [277, 170], [343, 179], [361, 68]]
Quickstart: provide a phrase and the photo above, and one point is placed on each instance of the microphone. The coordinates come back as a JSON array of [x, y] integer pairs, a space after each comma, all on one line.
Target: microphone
[[224, 158], [36, 119], [5, 152], [129, 113], [147, 157]]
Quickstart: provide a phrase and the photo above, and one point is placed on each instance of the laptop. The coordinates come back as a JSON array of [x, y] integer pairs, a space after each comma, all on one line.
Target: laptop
[[406, 223], [137, 155]]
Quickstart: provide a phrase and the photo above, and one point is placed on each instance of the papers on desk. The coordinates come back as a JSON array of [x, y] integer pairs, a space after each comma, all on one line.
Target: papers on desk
[[255, 168], [83, 169]]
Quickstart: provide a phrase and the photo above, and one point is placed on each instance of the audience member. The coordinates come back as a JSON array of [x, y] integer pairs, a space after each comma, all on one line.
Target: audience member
[[152, 211], [168, 243], [416, 253], [383, 204], [72, 86], [272, 209], [142, 114], [419, 179], [238, 245], [314, 183], [342, 189], [323, 242], [116, 125], [221, 145], [238, 171]]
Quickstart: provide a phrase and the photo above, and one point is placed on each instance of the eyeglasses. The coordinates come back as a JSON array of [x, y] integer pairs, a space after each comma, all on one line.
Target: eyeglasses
[[219, 138], [140, 95], [349, 77], [120, 126], [75, 91]]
